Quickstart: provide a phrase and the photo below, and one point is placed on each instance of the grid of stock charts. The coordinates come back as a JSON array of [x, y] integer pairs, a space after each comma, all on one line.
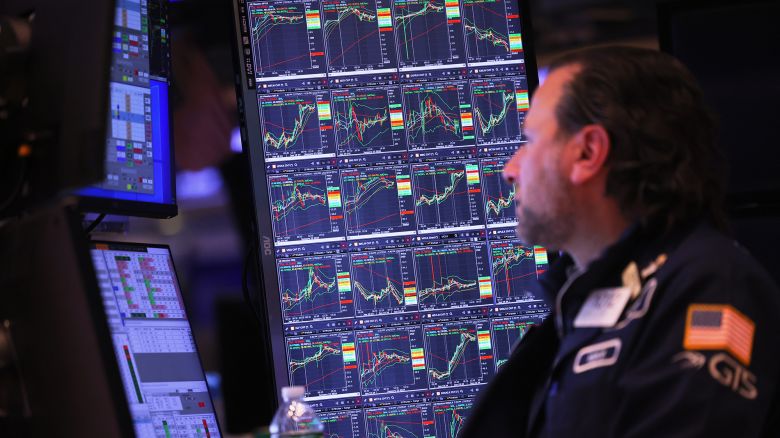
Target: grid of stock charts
[[384, 129]]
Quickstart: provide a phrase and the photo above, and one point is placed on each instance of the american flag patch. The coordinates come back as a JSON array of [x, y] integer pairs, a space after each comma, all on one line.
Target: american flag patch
[[719, 327]]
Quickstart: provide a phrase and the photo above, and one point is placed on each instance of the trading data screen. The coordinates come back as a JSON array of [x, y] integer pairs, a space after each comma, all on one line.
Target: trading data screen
[[138, 148], [156, 353], [396, 285]]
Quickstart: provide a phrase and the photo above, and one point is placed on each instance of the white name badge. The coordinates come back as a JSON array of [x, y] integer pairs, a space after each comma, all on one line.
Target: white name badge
[[603, 307]]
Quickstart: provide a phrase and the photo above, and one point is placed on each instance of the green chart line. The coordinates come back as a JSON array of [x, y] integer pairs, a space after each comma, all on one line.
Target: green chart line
[[465, 338]]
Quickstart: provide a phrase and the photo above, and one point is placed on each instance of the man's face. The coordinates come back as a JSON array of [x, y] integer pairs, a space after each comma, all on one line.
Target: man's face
[[544, 202]]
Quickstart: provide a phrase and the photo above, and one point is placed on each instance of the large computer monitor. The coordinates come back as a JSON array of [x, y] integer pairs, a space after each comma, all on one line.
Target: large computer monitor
[[139, 168], [152, 340], [377, 130]]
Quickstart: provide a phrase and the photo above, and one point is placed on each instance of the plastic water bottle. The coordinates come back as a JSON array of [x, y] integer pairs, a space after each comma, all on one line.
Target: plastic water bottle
[[295, 418]]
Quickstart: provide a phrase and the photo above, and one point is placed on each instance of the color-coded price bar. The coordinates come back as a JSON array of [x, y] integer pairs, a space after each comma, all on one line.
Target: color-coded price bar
[[132, 374]]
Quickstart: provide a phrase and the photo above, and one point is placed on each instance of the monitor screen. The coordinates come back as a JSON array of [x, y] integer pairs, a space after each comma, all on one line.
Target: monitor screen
[[394, 284], [139, 158], [152, 339]]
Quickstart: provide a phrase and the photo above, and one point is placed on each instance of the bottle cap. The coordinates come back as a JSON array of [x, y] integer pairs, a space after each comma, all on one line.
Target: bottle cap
[[293, 392]]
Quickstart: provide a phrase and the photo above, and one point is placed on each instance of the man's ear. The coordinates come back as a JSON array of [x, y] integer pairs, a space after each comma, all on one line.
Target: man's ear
[[592, 149]]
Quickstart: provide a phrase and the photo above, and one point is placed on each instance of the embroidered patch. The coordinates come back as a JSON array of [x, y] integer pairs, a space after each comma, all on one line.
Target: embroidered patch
[[719, 327], [601, 354]]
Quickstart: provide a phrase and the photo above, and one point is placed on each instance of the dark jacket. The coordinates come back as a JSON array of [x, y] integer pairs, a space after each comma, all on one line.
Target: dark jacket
[[682, 360]]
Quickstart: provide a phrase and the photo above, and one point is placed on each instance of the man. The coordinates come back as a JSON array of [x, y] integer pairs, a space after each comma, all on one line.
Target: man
[[661, 325]]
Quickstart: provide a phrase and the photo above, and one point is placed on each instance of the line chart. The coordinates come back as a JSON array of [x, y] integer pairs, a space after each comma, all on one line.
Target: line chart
[[343, 424], [383, 282], [515, 271], [450, 416], [447, 195], [507, 332], [492, 29], [296, 124], [324, 364], [429, 32], [499, 109], [390, 360], [454, 275], [314, 288], [437, 115], [458, 353], [408, 421], [358, 35], [456, 359], [368, 120], [306, 206], [377, 200], [286, 37], [498, 195]]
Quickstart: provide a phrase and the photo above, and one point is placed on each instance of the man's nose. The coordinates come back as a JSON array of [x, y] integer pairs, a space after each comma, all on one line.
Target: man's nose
[[512, 167]]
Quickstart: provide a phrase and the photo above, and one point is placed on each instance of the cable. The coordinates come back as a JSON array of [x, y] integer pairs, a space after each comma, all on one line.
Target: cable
[[95, 223]]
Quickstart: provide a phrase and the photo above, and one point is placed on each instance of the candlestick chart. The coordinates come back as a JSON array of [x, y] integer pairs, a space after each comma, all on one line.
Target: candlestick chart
[[515, 271], [437, 115], [383, 282], [358, 35], [324, 364], [496, 114], [377, 200], [428, 32], [447, 195], [452, 276], [306, 206], [286, 37], [450, 417], [343, 424], [414, 421], [458, 353], [390, 360], [507, 332], [315, 288], [498, 195], [366, 121], [492, 29], [296, 124]]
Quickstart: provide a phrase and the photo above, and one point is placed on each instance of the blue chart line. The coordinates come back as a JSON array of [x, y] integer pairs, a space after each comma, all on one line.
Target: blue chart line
[[321, 363]]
